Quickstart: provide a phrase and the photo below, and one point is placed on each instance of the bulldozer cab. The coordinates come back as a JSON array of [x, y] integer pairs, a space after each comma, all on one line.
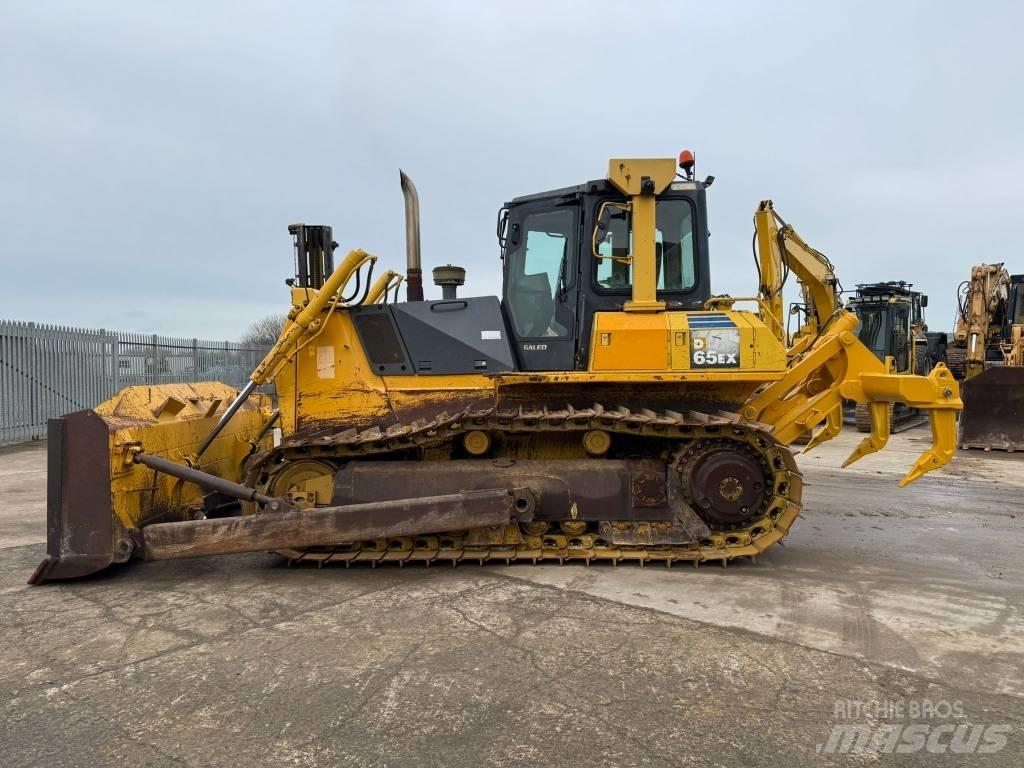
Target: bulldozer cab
[[892, 324], [566, 256]]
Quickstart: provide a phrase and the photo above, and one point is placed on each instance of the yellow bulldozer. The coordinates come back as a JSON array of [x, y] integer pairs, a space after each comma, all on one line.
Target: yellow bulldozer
[[606, 407], [892, 326], [987, 353]]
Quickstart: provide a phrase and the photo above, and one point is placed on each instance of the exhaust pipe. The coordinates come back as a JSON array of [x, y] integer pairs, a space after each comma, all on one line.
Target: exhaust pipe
[[414, 269]]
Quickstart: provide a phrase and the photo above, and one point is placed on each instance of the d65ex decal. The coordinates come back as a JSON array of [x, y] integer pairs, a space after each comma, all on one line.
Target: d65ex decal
[[719, 348]]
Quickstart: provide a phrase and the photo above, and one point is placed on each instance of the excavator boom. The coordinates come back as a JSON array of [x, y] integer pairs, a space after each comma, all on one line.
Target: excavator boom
[[988, 353]]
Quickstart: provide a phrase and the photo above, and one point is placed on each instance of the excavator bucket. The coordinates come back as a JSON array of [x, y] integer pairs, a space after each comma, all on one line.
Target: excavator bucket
[[97, 495], [993, 415]]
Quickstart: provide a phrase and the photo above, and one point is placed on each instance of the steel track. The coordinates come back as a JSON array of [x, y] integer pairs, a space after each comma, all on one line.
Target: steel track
[[519, 543]]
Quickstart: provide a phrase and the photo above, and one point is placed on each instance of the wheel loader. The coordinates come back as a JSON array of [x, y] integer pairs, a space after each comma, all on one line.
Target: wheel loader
[[892, 326], [606, 407], [987, 353]]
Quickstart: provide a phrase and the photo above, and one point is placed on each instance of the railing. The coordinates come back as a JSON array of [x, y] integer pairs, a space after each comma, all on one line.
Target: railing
[[47, 371]]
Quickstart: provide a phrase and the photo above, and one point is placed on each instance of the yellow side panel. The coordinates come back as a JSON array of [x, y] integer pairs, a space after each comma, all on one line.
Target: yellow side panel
[[761, 350], [629, 342], [329, 382], [679, 341], [414, 397]]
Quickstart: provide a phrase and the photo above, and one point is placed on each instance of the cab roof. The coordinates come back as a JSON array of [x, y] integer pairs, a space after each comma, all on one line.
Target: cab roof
[[596, 187]]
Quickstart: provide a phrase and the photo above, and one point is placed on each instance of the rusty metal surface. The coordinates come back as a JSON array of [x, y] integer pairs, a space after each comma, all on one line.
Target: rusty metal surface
[[444, 426], [79, 522], [584, 489], [642, 533], [993, 415], [643, 431], [658, 429], [727, 485], [335, 525], [696, 396], [97, 494], [647, 487]]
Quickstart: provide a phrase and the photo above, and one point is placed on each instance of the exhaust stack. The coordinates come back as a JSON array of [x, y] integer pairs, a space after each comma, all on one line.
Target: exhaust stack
[[414, 268]]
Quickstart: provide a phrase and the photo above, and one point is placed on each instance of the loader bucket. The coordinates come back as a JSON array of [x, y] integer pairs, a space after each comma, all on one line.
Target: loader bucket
[[993, 415], [98, 498]]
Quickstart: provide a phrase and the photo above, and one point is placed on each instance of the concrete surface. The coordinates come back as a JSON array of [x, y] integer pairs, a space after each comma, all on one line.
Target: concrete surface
[[22, 494], [880, 595]]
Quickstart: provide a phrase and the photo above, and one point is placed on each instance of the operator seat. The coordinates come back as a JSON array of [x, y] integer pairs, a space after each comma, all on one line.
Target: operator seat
[[533, 305]]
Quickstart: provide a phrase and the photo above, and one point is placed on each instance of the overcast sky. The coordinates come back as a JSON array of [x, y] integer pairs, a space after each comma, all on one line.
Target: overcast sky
[[152, 155]]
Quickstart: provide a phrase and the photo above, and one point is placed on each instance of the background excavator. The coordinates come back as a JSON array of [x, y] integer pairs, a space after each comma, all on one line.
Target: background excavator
[[892, 325], [987, 353], [605, 407]]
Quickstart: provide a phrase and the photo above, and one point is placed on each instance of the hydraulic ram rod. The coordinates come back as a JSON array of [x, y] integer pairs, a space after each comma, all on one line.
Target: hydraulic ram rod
[[226, 417], [207, 481], [298, 528]]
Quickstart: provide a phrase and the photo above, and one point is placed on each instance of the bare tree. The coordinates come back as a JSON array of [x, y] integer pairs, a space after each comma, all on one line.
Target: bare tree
[[264, 332]]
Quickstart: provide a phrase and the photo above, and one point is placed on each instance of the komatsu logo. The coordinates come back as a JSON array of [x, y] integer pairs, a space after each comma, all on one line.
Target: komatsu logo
[[534, 347]]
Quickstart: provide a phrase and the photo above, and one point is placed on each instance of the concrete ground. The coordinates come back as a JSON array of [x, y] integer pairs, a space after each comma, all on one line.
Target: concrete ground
[[886, 606]]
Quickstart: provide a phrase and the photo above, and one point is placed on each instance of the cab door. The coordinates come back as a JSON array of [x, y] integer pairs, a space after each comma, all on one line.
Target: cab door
[[901, 336], [542, 282]]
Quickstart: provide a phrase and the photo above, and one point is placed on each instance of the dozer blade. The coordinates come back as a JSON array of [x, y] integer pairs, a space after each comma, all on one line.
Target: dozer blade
[[993, 415], [97, 495]]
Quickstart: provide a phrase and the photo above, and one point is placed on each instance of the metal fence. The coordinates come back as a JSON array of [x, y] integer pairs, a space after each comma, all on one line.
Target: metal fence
[[47, 371]]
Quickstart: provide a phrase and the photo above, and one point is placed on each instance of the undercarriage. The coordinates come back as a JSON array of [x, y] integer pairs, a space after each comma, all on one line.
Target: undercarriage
[[611, 484]]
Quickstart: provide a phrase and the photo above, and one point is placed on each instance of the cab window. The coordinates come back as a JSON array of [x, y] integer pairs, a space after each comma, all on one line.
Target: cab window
[[539, 267], [1017, 302], [874, 329], [901, 340], [673, 250]]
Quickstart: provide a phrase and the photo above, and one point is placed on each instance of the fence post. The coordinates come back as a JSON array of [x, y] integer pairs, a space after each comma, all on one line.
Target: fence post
[[115, 362], [195, 359], [33, 381]]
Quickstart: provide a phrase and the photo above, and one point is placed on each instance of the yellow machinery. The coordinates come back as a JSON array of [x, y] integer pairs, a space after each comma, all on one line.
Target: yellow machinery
[[606, 407], [988, 354], [892, 326]]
